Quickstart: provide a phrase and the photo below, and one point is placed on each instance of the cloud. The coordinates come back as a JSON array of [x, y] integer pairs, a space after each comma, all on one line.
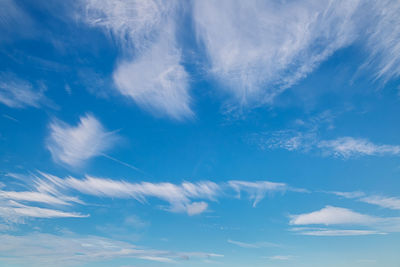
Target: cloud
[[156, 80], [309, 141], [337, 232], [355, 194], [252, 245], [32, 197], [332, 215], [15, 22], [14, 212], [178, 196], [150, 71], [280, 257], [343, 217], [40, 249], [384, 202], [196, 208], [349, 147], [187, 197], [17, 93], [258, 49], [383, 41], [73, 145], [381, 201], [257, 190]]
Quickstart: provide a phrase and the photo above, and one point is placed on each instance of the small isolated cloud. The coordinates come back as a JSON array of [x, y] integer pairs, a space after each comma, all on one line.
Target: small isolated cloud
[[257, 190], [150, 71], [17, 93], [332, 215], [73, 145]]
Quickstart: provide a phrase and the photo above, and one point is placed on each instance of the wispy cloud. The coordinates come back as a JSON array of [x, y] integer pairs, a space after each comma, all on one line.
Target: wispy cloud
[[349, 147], [187, 197], [17, 93], [73, 145], [381, 201], [180, 197], [15, 22], [336, 232], [257, 190], [14, 212], [337, 216], [280, 257], [341, 147], [150, 70], [384, 202], [259, 49], [383, 41], [40, 249], [253, 245]]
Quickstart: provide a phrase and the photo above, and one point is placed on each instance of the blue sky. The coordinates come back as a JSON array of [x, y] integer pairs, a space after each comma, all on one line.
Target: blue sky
[[199, 133]]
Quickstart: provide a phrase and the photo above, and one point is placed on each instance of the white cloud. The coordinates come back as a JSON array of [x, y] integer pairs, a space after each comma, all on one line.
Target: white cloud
[[349, 147], [383, 41], [258, 49], [333, 215], [196, 208], [17, 93], [355, 194], [32, 197], [384, 202], [178, 196], [257, 190], [338, 232], [39, 249], [340, 217], [381, 201], [309, 141], [73, 145], [187, 197], [14, 212], [252, 245], [150, 71], [156, 80], [281, 257]]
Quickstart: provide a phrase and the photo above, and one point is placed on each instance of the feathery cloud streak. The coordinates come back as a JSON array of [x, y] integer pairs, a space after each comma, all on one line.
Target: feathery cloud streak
[[17, 93], [186, 197]]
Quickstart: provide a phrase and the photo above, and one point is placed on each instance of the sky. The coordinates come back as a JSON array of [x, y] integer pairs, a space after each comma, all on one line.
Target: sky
[[146, 133]]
